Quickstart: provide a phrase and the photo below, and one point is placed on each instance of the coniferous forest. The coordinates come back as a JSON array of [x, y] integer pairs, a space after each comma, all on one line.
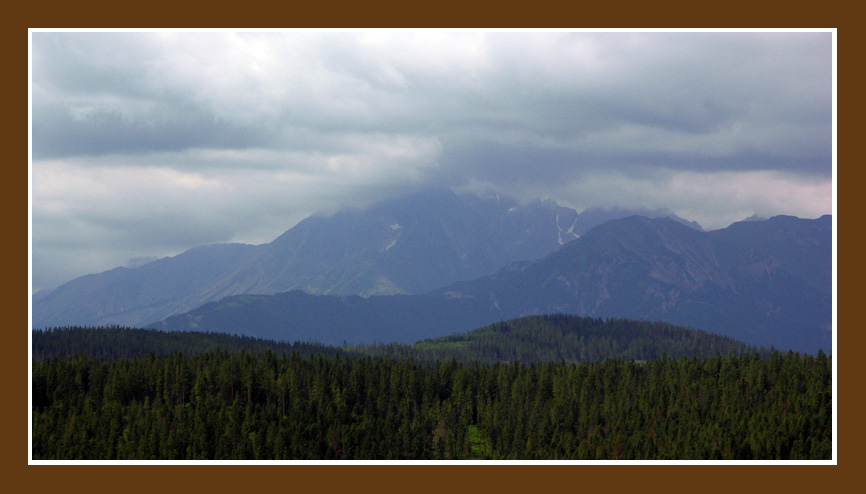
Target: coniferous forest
[[221, 397]]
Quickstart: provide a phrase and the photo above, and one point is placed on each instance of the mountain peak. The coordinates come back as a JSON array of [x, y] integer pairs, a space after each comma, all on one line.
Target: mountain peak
[[752, 284], [413, 244]]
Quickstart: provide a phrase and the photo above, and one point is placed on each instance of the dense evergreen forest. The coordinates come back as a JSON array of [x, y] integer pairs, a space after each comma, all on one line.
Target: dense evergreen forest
[[546, 387], [220, 405]]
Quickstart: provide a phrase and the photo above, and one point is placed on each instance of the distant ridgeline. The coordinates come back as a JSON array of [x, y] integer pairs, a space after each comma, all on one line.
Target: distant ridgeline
[[569, 339], [552, 338], [115, 342], [764, 283], [434, 263]]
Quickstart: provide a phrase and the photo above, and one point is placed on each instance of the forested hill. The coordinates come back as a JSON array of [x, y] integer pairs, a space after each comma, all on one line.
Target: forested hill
[[560, 337], [115, 342], [552, 338]]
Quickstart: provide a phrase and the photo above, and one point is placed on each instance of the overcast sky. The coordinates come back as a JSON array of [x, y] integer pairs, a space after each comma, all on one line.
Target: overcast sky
[[147, 144]]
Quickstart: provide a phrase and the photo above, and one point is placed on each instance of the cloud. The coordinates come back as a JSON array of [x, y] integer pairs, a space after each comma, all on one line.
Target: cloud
[[131, 206], [149, 143], [716, 199]]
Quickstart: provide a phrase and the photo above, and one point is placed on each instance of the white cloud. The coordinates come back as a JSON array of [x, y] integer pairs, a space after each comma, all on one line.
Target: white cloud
[[713, 199]]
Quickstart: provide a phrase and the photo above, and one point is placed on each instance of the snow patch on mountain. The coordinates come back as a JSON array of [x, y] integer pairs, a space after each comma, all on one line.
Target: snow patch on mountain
[[570, 230]]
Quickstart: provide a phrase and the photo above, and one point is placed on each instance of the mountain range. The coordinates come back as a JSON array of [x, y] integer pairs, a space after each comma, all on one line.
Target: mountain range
[[766, 283], [409, 245]]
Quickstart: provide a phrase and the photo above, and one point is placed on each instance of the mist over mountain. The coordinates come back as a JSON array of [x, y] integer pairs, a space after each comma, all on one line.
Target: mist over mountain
[[410, 245], [765, 283]]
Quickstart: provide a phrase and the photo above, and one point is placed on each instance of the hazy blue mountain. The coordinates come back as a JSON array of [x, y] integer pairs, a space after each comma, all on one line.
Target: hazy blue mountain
[[410, 245], [761, 282], [755, 217], [765, 283], [592, 217], [803, 246], [133, 296], [42, 294]]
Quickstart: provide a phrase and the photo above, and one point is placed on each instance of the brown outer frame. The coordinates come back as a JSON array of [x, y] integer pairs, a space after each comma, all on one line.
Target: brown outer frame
[[399, 478]]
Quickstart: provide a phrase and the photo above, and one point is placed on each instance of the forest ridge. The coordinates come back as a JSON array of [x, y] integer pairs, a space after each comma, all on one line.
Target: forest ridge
[[543, 387]]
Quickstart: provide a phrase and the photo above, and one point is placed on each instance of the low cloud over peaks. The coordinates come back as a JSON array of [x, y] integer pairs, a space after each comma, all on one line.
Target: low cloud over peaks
[[148, 143]]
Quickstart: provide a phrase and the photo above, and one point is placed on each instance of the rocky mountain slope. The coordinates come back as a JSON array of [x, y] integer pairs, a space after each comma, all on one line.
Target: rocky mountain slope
[[408, 245], [765, 283]]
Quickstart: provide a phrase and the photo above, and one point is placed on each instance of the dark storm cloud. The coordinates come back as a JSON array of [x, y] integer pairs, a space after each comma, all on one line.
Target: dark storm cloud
[[150, 141], [683, 101], [100, 93], [577, 92]]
